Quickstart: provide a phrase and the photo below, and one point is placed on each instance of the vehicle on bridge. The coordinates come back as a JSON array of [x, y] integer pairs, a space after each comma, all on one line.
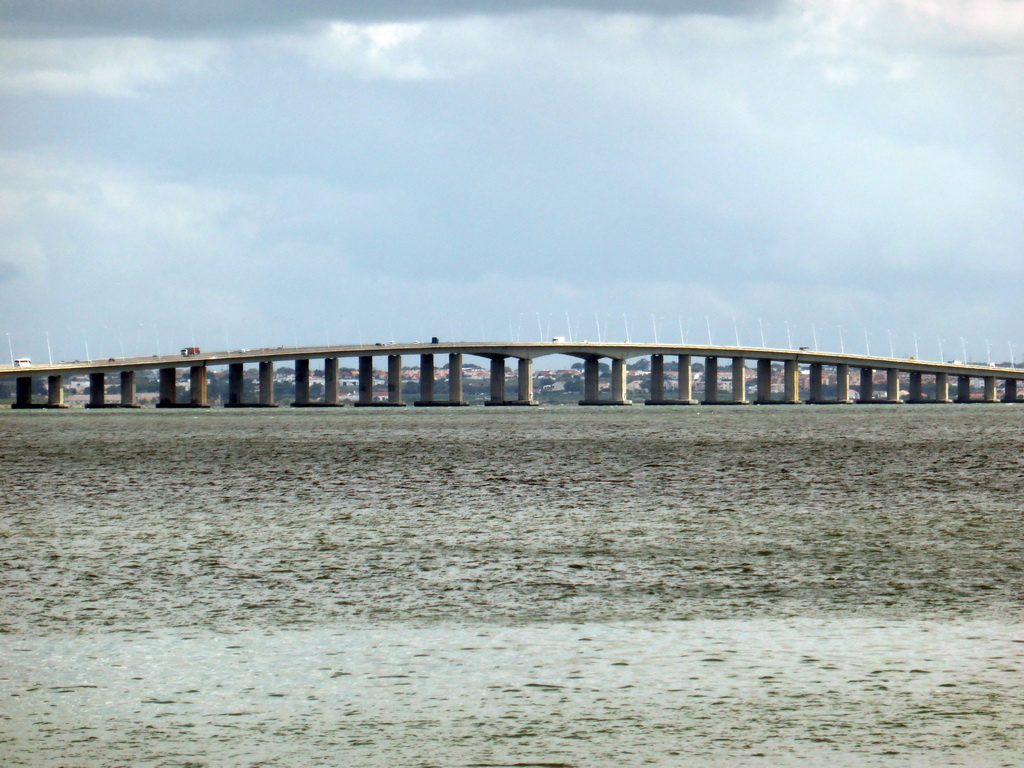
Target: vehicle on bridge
[[189, 351], [22, 362]]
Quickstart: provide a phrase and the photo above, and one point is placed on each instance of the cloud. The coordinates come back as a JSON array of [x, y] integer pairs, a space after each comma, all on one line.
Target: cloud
[[828, 160], [867, 29], [386, 51], [191, 17], [69, 222], [111, 67]]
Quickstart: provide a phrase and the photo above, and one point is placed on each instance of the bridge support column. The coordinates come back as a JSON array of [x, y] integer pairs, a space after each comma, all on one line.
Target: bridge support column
[[455, 379], [685, 379], [963, 389], [657, 379], [497, 381], [524, 380], [267, 384], [97, 390], [892, 385], [685, 386], [55, 391], [710, 380], [591, 382], [942, 388], [867, 385], [301, 383], [365, 396], [739, 381], [842, 383], [168, 388], [23, 392], [619, 382], [1010, 391], [814, 386], [990, 389], [365, 380], [791, 382], [764, 382], [426, 381], [916, 391], [395, 380], [331, 381], [128, 390], [197, 386], [236, 385]]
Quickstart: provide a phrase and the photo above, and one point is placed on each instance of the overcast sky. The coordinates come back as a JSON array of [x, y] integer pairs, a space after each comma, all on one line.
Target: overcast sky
[[248, 174]]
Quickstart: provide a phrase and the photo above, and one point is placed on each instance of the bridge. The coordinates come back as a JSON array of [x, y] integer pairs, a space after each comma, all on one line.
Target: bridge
[[998, 384]]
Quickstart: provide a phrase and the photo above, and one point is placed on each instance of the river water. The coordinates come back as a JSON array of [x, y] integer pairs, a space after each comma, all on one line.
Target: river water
[[513, 587]]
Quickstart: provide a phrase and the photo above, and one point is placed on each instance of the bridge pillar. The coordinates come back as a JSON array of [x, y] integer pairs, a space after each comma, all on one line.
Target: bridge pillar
[[23, 392], [710, 380], [990, 389], [455, 379], [1010, 391], [685, 379], [619, 382], [791, 382], [916, 392], [685, 386], [168, 388], [942, 388], [892, 385], [657, 379], [267, 384], [128, 390], [842, 383], [197, 386], [739, 381], [301, 383], [764, 382], [365, 380], [525, 382], [97, 390], [236, 385], [963, 389], [867, 385], [497, 381], [426, 380], [55, 392], [814, 385], [331, 381], [395, 380], [591, 381]]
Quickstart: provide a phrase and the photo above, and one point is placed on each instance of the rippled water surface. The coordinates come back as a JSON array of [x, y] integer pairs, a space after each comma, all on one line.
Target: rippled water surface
[[491, 587]]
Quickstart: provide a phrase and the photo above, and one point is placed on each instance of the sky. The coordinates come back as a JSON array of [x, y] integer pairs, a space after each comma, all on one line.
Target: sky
[[843, 174]]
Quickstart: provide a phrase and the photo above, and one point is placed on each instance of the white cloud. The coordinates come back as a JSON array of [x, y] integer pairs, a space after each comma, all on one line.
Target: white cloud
[[108, 67], [73, 227], [891, 37], [843, 158], [401, 51]]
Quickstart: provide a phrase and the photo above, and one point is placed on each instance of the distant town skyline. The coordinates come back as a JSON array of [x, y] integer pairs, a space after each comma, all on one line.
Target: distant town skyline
[[235, 175]]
